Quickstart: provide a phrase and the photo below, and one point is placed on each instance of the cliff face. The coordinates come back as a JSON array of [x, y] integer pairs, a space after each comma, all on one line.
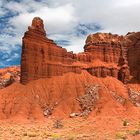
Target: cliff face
[[41, 57], [109, 49], [134, 55], [104, 55]]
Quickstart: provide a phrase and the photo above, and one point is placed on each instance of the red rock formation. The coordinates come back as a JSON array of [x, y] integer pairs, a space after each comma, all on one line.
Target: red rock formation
[[108, 48], [41, 57], [105, 47], [134, 54], [102, 71], [104, 55], [9, 75]]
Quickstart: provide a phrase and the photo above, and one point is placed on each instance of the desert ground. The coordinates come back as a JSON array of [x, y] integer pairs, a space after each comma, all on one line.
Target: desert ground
[[99, 128]]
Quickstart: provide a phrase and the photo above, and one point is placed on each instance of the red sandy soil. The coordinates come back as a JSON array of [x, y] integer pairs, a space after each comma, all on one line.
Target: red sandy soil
[[21, 105], [99, 128]]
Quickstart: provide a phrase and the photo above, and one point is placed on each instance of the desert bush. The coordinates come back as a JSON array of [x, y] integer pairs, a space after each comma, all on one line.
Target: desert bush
[[58, 124], [125, 123], [30, 134], [56, 137], [121, 135], [135, 132]]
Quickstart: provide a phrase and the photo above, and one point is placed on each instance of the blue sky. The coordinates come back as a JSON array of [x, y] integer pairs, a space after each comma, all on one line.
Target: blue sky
[[68, 22]]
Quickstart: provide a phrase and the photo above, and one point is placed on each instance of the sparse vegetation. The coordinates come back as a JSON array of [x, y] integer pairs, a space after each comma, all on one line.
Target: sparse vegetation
[[125, 123], [25, 134], [58, 124], [30, 134], [121, 135], [135, 132], [56, 137], [71, 137], [12, 131]]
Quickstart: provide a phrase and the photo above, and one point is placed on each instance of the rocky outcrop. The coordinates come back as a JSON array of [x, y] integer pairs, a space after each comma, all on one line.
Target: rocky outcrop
[[41, 57], [109, 48], [89, 100], [103, 46], [134, 55], [134, 97], [9, 75], [102, 71], [83, 57], [118, 56]]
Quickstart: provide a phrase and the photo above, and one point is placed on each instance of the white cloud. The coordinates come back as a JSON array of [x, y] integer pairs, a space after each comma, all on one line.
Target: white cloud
[[127, 3], [57, 20]]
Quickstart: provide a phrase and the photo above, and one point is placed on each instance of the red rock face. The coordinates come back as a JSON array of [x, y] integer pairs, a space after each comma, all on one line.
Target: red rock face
[[134, 55], [104, 55], [102, 71], [105, 47], [41, 57], [110, 49]]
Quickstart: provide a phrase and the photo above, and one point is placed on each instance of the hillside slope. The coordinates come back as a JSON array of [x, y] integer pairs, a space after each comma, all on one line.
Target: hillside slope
[[60, 94]]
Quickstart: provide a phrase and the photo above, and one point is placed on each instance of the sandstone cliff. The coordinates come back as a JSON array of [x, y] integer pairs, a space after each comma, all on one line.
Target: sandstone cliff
[[41, 57], [105, 54], [109, 49], [134, 55]]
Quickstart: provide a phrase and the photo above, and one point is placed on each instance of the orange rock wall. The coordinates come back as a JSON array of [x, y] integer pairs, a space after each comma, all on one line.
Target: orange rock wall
[[108, 48], [42, 58], [134, 55]]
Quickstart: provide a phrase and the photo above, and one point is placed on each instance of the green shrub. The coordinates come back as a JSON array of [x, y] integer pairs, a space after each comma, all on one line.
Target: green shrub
[[56, 137]]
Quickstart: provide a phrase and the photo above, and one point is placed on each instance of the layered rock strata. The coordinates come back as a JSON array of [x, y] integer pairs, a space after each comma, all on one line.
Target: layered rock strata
[[112, 49], [41, 57], [104, 55], [134, 55]]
